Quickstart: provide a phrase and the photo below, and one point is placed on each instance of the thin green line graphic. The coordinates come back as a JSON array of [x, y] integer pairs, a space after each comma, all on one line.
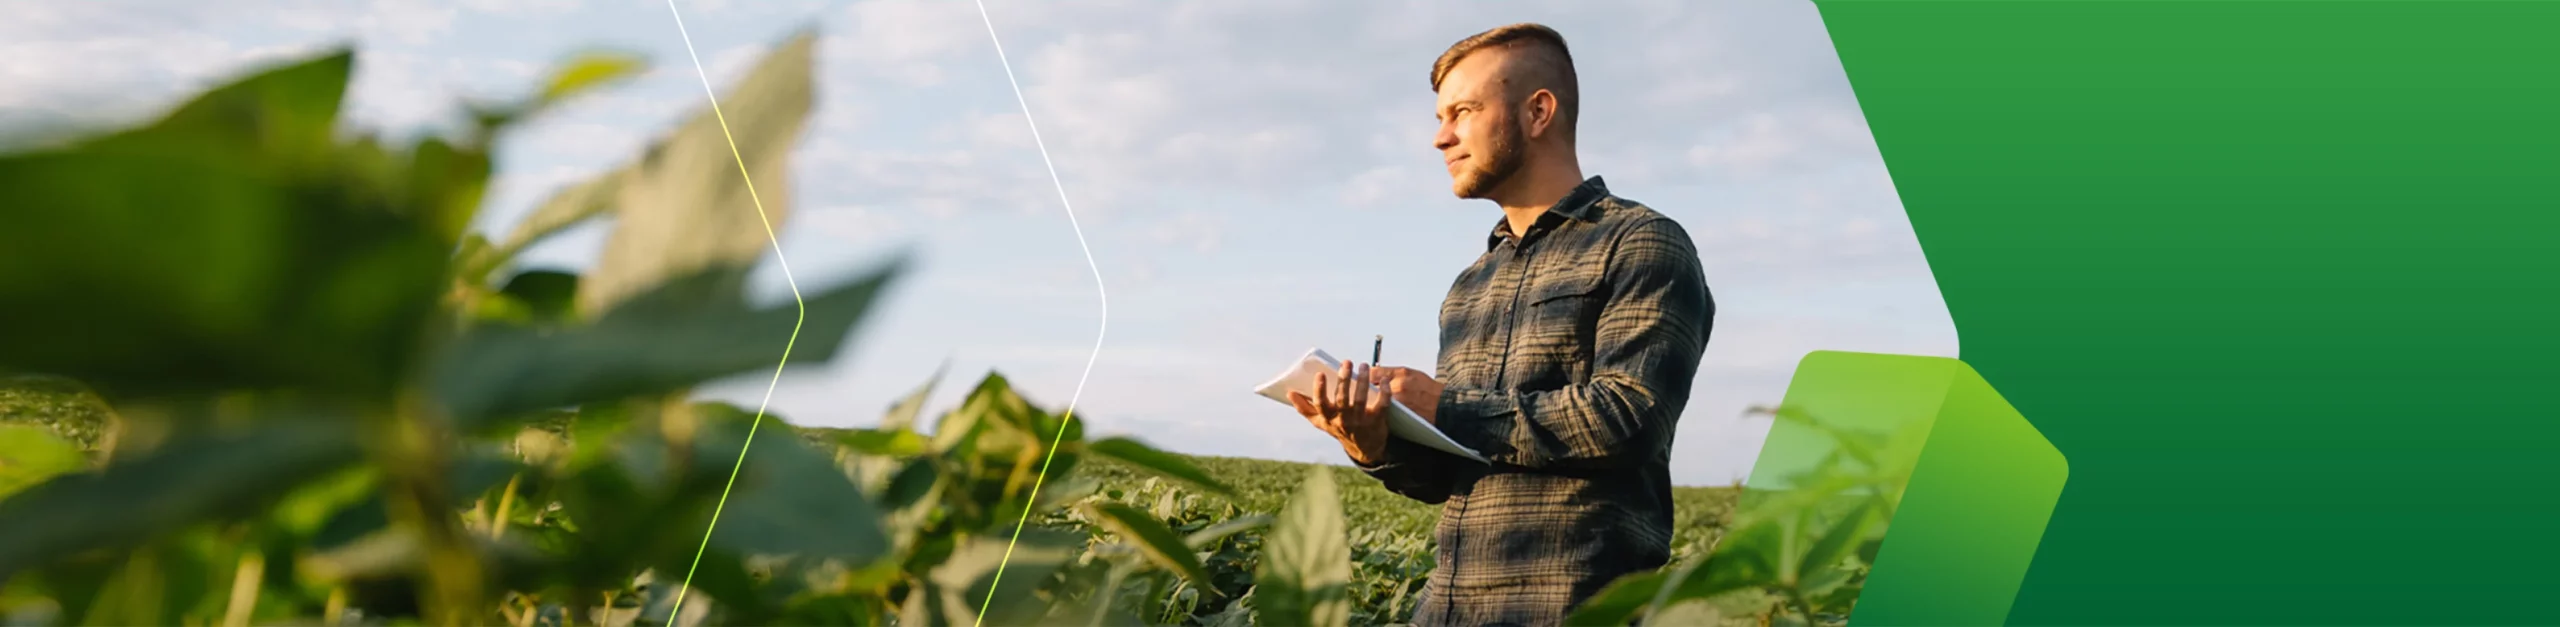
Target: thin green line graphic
[[1069, 416], [801, 311]]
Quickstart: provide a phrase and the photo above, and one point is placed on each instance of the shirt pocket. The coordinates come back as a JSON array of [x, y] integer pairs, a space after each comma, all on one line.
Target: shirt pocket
[[1558, 325]]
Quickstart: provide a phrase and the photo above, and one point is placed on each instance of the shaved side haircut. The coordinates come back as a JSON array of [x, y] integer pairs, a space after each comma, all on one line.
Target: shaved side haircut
[[1542, 62]]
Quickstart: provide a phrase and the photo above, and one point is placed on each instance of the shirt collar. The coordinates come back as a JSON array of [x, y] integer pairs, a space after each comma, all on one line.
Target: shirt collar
[[1579, 204]]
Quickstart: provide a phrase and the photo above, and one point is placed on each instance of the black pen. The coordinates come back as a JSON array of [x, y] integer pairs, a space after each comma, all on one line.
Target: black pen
[[1377, 349]]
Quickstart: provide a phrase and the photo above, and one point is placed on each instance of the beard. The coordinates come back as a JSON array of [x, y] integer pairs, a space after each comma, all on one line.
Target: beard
[[1493, 166]]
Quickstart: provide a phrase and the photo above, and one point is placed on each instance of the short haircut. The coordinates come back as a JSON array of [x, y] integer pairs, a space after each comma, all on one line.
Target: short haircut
[[1547, 65]]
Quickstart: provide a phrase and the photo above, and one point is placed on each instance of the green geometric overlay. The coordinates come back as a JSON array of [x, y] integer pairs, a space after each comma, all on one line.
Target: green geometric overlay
[[2277, 275], [1981, 481]]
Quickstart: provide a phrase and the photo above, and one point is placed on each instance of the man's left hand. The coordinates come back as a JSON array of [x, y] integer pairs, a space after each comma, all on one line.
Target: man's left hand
[[1409, 386]]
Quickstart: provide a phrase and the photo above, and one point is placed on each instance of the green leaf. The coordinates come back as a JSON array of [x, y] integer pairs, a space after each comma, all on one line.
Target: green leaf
[[1208, 537], [1621, 601], [569, 207], [1747, 558], [680, 334], [30, 455], [181, 484], [1306, 563], [591, 70], [1062, 491], [291, 261], [287, 110], [549, 295], [595, 430], [688, 205], [956, 589], [1690, 612], [1149, 460], [1837, 542], [473, 259], [902, 416], [474, 471], [1159, 544], [444, 186], [883, 442], [1860, 446], [789, 499]]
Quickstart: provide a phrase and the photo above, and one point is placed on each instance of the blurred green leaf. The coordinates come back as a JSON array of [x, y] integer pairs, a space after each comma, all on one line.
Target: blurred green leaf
[[789, 498], [682, 333], [882, 442], [1838, 541], [902, 416], [474, 471], [687, 205], [1621, 601], [1690, 612], [30, 455], [157, 585], [1149, 535], [956, 589], [182, 483], [297, 262], [1146, 458], [1209, 537], [1746, 558], [1306, 562], [550, 296], [569, 207], [590, 70]]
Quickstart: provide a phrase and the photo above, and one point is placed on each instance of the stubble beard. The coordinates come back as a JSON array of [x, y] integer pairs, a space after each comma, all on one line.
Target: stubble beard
[[1493, 166]]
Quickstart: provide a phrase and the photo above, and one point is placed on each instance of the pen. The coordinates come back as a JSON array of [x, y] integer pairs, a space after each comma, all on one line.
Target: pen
[[1376, 349]]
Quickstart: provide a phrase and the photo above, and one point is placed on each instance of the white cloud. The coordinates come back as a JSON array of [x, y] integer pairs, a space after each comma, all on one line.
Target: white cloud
[[523, 7], [907, 41]]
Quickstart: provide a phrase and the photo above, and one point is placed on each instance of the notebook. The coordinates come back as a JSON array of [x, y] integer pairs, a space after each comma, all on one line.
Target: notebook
[[1301, 375]]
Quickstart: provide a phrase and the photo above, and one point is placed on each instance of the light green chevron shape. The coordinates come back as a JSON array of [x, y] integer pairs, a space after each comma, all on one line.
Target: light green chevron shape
[[1982, 481]]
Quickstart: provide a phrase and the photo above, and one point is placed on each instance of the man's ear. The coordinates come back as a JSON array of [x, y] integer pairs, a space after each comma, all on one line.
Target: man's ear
[[1538, 113]]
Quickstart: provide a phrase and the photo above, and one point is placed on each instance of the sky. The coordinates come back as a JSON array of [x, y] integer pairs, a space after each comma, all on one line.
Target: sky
[[1251, 179]]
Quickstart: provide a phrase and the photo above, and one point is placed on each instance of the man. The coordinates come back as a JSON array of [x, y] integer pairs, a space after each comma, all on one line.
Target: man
[[1566, 354]]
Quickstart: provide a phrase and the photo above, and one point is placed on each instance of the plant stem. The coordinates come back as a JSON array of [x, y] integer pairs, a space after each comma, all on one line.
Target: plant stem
[[506, 506], [244, 588], [415, 459], [335, 610]]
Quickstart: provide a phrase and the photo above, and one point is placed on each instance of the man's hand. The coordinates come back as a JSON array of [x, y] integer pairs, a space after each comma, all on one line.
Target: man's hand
[[1348, 412], [1416, 390]]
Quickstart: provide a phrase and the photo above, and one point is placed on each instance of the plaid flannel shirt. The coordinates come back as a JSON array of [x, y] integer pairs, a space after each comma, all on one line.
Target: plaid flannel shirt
[[1568, 353]]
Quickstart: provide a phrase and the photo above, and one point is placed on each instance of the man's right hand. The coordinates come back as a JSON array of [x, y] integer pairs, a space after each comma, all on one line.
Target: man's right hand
[[1349, 412]]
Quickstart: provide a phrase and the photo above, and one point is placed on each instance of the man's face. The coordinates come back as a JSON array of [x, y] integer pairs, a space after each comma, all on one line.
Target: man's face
[[1480, 137]]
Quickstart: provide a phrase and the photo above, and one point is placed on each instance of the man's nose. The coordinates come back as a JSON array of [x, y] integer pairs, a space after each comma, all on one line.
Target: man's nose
[[1445, 138]]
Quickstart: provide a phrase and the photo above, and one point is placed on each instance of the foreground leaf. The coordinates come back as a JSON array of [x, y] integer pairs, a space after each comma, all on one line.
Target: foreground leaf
[[30, 455], [687, 205], [1750, 557], [260, 253], [590, 70], [1306, 563], [956, 589], [1828, 552], [181, 484], [683, 333], [789, 498], [569, 207], [1621, 601], [549, 296]]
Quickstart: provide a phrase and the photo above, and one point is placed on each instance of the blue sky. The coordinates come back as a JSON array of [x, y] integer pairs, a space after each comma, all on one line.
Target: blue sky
[[1253, 178]]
